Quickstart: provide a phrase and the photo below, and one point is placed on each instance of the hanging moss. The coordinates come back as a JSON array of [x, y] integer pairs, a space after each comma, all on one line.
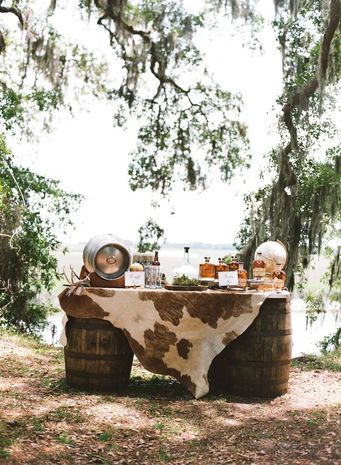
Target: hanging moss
[[304, 200]]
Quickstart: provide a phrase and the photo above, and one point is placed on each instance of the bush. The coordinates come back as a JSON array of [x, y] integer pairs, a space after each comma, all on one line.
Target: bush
[[32, 209], [330, 343]]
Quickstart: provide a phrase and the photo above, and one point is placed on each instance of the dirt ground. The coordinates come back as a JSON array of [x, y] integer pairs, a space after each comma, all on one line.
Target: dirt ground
[[155, 421]]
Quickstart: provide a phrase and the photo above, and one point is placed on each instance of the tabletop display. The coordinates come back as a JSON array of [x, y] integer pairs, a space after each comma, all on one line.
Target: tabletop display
[[174, 329]]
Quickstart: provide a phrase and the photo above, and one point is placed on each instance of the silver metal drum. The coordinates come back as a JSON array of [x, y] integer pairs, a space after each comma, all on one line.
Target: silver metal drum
[[106, 257]]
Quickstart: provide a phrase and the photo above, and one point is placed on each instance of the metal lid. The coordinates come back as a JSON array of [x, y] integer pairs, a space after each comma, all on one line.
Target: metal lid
[[111, 261]]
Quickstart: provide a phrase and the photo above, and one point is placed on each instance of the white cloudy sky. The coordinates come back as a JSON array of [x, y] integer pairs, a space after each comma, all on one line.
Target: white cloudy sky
[[90, 156]]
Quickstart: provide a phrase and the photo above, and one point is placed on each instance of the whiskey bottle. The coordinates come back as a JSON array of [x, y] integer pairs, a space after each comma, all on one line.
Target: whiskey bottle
[[207, 269], [234, 265], [220, 267], [279, 277], [242, 276], [258, 266]]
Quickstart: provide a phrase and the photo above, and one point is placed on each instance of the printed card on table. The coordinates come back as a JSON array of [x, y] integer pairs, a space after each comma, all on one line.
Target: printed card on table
[[134, 278], [228, 278]]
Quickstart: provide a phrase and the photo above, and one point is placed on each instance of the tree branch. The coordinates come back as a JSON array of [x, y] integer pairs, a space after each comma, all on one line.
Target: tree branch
[[309, 89], [116, 17], [2, 43], [15, 11]]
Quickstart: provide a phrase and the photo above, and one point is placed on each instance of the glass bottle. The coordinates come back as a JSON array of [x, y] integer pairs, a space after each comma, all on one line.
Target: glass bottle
[[185, 260], [220, 267], [233, 265], [155, 261], [279, 277], [258, 266], [186, 269], [207, 269], [242, 276]]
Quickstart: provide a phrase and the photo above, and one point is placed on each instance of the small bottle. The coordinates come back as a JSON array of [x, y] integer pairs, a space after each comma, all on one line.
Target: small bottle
[[220, 267], [279, 277], [258, 267], [207, 269], [185, 260], [155, 261], [242, 276], [233, 265]]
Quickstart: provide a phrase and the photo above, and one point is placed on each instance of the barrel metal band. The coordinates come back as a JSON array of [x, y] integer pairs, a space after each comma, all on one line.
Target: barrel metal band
[[90, 375], [98, 357], [256, 364], [277, 386], [275, 312], [101, 325], [275, 333]]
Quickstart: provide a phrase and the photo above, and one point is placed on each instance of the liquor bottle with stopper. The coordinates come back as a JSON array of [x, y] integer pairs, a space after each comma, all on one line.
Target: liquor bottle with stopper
[[242, 276], [258, 267], [279, 277], [207, 270], [233, 265]]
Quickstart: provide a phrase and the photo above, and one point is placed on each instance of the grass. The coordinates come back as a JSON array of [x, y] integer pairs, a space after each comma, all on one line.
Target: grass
[[17, 367], [159, 426], [330, 361], [8, 435], [38, 425], [64, 438], [25, 340], [105, 436], [164, 456], [69, 414], [4, 444]]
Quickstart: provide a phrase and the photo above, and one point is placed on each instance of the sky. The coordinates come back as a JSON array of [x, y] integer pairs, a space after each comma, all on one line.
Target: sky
[[90, 156]]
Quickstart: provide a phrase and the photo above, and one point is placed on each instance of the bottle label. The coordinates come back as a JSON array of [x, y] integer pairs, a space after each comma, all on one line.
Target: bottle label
[[241, 282], [278, 283], [259, 272], [207, 270], [233, 266]]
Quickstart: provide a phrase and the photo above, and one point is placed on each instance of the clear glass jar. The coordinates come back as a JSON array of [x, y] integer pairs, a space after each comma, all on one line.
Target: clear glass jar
[[153, 276]]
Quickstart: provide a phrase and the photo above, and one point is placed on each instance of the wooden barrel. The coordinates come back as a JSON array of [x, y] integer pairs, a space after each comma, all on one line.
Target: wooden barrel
[[257, 363], [97, 355]]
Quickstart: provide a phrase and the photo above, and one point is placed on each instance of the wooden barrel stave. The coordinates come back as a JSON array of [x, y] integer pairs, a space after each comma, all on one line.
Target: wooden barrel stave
[[258, 362], [97, 355]]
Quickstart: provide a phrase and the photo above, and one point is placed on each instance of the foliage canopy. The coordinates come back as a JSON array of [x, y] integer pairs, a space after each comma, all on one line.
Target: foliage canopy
[[189, 125]]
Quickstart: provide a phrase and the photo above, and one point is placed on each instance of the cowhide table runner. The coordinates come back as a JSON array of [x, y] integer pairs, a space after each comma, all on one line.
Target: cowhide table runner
[[171, 332]]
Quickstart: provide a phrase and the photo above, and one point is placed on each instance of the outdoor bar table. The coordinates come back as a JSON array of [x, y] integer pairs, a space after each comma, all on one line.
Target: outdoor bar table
[[176, 333]]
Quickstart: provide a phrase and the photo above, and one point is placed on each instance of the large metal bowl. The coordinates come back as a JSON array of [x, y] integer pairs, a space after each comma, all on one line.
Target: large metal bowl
[[106, 257]]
